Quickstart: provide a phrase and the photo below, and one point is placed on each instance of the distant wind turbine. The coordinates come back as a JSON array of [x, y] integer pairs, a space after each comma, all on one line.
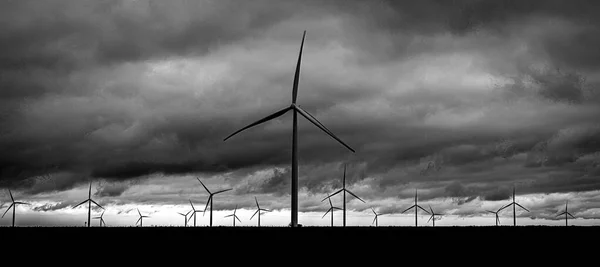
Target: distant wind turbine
[[101, 219], [514, 204], [344, 190], [185, 219], [567, 214], [496, 213], [13, 205], [331, 209], [417, 207], [433, 214], [140, 220], [194, 211], [89, 201], [210, 199], [295, 110], [258, 210], [376, 220], [235, 217]]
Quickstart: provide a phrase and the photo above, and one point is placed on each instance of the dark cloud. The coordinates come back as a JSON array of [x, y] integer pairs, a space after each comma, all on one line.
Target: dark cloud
[[84, 96]]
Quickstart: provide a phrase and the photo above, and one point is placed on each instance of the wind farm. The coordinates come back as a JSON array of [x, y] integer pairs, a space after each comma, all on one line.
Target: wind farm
[[337, 115]]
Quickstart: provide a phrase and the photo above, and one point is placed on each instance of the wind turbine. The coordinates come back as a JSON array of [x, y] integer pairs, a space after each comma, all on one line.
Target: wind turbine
[[210, 199], [433, 214], [295, 110], [185, 219], [376, 220], [258, 210], [514, 204], [13, 205], [194, 211], [417, 207], [89, 201], [235, 217], [101, 219], [344, 190], [331, 209], [567, 214], [495, 213], [140, 219]]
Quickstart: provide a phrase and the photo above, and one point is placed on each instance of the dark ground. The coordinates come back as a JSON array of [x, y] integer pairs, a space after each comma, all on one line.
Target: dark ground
[[536, 244]]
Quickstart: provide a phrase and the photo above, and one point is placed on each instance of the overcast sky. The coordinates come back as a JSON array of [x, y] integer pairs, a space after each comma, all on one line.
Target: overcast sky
[[461, 100]]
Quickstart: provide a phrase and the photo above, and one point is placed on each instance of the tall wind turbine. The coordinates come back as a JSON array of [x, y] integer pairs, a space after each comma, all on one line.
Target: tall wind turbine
[[376, 220], [567, 214], [258, 210], [185, 219], [495, 213], [210, 198], [433, 214], [331, 209], [89, 201], [194, 211], [344, 190], [140, 220], [101, 219], [295, 110], [417, 207], [13, 205], [235, 217], [514, 204]]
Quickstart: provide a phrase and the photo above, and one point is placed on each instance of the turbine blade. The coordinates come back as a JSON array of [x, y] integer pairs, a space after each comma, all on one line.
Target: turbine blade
[[181, 214], [265, 119], [11, 196], [570, 215], [255, 199], [139, 212], [355, 195], [374, 220], [505, 207], [254, 214], [413, 206], [522, 207], [21, 203], [11, 205], [423, 209], [336, 208], [228, 215], [203, 185], [490, 211], [374, 211], [90, 192], [225, 190], [138, 220], [336, 192], [96, 203], [297, 73], [326, 213], [192, 204], [206, 207], [316, 120], [318, 124], [429, 218], [81, 203], [189, 218], [188, 213], [238, 218], [560, 214]]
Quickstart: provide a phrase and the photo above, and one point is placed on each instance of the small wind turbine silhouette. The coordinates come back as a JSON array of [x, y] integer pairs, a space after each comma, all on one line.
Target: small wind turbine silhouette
[[567, 214], [89, 201], [417, 207], [235, 217], [344, 190], [433, 214], [295, 110], [140, 219], [185, 219], [101, 219], [331, 209], [194, 211], [210, 199], [13, 205], [514, 204], [495, 213], [376, 220], [258, 210]]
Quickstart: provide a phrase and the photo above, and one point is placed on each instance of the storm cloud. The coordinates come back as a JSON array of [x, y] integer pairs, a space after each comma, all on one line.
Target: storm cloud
[[462, 99]]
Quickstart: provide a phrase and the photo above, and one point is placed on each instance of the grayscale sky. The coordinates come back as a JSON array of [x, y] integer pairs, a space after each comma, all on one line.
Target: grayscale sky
[[461, 100]]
